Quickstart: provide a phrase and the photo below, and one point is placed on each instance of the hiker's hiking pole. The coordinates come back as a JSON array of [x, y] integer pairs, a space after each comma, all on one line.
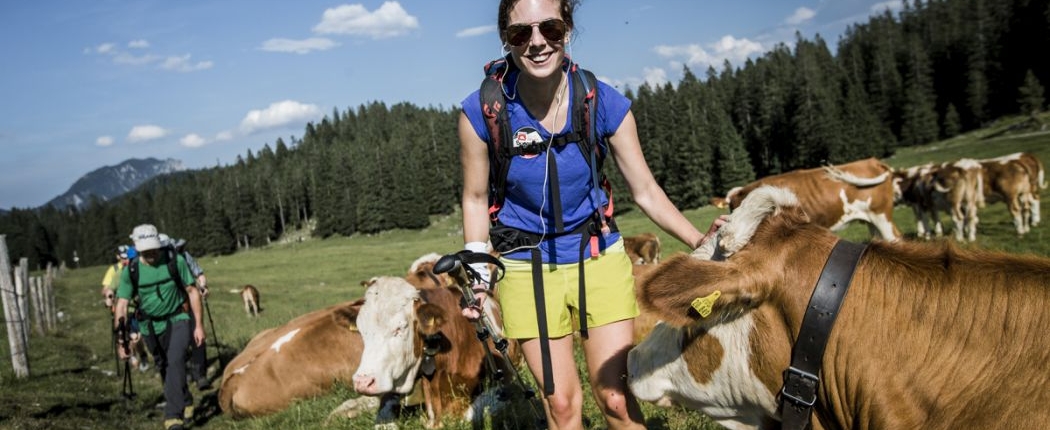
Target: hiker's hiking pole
[[458, 266], [123, 334], [116, 357], [211, 322]]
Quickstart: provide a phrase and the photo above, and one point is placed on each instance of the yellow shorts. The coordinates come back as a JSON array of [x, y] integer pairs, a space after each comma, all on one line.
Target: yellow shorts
[[609, 288]]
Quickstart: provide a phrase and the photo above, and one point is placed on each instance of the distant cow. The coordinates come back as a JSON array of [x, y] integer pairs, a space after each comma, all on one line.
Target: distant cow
[[250, 296], [1007, 180], [643, 248], [1036, 179], [418, 336], [298, 360], [954, 187], [834, 196], [928, 336]]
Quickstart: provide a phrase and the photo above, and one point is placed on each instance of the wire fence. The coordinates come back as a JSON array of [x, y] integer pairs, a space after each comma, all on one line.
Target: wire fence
[[18, 291]]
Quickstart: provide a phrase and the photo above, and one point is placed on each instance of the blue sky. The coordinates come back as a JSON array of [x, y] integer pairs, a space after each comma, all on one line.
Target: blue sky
[[87, 84]]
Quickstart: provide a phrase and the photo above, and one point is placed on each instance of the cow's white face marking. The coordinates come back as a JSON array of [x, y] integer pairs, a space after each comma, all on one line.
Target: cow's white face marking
[[386, 322], [735, 397], [277, 344]]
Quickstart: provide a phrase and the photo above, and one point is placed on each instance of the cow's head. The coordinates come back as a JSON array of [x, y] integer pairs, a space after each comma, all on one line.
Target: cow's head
[[421, 273], [391, 323], [722, 344]]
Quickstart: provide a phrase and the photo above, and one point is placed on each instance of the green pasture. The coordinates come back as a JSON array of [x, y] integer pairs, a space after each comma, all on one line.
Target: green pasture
[[72, 385]]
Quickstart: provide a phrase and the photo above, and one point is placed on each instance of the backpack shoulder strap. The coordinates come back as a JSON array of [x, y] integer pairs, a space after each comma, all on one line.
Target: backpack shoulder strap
[[133, 274], [173, 268], [493, 108]]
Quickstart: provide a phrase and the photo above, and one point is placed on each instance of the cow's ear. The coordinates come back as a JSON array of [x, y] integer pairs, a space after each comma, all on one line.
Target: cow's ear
[[346, 316], [431, 317], [684, 290]]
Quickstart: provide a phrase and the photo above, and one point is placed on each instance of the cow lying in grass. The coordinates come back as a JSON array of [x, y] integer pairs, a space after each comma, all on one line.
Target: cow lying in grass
[[416, 338], [301, 359]]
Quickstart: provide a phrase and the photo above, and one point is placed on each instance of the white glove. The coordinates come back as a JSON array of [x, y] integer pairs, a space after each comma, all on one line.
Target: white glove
[[481, 268]]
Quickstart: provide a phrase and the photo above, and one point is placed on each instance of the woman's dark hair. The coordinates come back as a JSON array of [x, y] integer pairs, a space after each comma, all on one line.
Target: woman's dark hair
[[503, 17]]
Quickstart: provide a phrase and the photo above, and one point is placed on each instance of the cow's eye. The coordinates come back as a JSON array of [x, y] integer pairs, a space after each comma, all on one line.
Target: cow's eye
[[397, 332]]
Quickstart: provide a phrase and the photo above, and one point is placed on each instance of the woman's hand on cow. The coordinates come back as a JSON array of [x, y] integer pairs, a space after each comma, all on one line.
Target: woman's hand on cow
[[715, 225]]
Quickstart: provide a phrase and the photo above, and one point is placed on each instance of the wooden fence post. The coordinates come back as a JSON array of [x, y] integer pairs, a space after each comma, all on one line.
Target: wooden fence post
[[15, 336], [49, 278], [38, 305]]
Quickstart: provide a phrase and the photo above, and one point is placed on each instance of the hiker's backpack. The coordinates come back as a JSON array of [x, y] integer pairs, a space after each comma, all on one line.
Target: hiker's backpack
[[501, 139], [173, 270]]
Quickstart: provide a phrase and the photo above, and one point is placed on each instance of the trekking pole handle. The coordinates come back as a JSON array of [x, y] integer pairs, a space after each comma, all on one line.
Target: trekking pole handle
[[124, 335]]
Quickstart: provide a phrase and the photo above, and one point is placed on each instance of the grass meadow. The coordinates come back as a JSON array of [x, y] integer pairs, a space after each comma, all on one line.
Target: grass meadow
[[73, 385]]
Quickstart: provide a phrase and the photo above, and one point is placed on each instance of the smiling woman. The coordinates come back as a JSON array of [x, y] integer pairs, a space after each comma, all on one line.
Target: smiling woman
[[533, 140]]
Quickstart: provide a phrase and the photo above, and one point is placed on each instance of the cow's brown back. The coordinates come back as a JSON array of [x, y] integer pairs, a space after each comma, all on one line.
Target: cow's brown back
[[326, 349]]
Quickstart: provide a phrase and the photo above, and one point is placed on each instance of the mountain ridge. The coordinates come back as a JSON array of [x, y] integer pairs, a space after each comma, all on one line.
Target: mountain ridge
[[109, 182]]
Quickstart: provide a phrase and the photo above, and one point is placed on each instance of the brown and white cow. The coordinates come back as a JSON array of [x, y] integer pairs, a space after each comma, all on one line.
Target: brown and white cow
[[406, 330], [928, 336], [913, 186], [421, 273], [301, 359], [834, 196], [954, 187], [250, 297], [642, 248], [1036, 178], [1006, 179]]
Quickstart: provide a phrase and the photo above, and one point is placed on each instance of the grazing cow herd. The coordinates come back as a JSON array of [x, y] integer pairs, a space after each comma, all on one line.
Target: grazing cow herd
[[928, 334], [963, 186]]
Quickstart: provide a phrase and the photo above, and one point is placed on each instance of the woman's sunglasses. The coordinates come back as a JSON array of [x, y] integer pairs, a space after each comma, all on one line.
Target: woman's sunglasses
[[552, 29]]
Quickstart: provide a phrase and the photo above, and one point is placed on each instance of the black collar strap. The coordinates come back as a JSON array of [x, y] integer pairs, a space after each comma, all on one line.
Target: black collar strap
[[431, 346], [801, 380]]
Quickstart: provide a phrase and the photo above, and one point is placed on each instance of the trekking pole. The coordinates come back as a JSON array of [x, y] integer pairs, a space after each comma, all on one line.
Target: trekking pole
[[458, 266], [116, 357], [211, 322], [123, 332]]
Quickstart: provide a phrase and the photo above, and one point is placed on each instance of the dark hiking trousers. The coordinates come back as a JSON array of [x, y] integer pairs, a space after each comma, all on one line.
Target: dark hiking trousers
[[198, 359], [169, 353]]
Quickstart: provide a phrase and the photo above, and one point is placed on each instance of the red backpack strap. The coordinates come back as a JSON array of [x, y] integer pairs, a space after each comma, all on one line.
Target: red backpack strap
[[493, 108]]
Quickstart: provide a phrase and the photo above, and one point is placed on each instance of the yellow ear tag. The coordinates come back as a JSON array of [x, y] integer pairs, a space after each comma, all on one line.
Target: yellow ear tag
[[703, 304]]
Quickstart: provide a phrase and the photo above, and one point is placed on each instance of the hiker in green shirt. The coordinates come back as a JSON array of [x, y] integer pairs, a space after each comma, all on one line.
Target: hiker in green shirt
[[170, 308]]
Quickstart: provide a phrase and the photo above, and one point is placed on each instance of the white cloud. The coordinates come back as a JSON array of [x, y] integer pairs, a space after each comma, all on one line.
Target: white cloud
[[892, 5], [279, 114], [696, 57], [134, 60], [143, 133], [476, 31], [801, 15], [298, 46], [389, 20], [104, 141], [223, 136], [174, 63], [192, 140], [183, 64], [655, 76]]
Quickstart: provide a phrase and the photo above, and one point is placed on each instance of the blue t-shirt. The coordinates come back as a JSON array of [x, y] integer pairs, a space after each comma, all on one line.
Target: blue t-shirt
[[527, 174]]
